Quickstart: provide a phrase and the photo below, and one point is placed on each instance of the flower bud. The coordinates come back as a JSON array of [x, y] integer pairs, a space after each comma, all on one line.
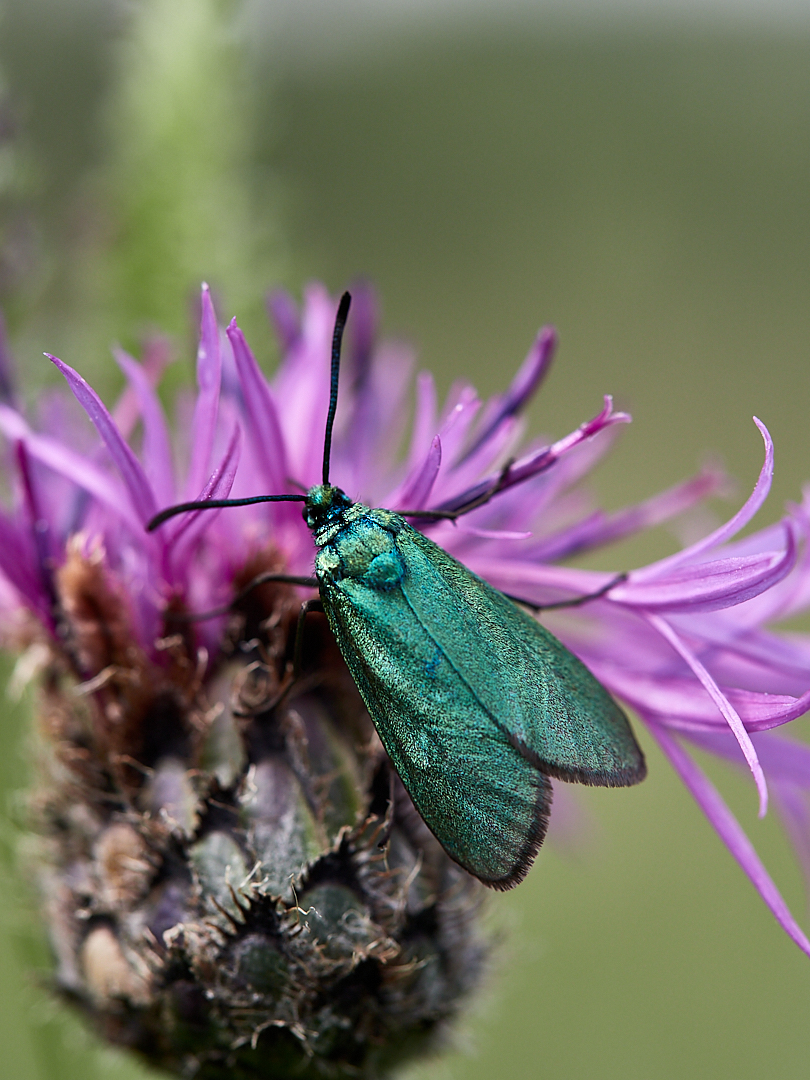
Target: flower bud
[[235, 880]]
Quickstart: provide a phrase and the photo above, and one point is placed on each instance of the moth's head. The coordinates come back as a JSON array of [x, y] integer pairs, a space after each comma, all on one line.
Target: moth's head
[[324, 504]]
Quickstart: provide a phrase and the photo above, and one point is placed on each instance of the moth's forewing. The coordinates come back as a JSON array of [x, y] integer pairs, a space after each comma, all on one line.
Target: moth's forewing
[[474, 701], [521, 675], [485, 803]]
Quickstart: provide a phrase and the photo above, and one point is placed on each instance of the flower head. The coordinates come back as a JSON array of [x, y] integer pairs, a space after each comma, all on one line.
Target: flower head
[[224, 860]]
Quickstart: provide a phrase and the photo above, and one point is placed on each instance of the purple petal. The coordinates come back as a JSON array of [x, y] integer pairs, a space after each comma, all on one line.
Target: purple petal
[[75, 467], [213, 488], [606, 418], [710, 586], [457, 421], [549, 485], [424, 418], [546, 502], [157, 453], [531, 373], [731, 642], [301, 385], [283, 312], [721, 701], [599, 528], [39, 525], [262, 415], [219, 484], [417, 487], [499, 448], [17, 565], [370, 429], [541, 459], [785, 760], [127, 409], [787, 764], [731, 527], [537, 583], [730, 832], [209, 375], [685, 705], [787, 599], [137, 485]]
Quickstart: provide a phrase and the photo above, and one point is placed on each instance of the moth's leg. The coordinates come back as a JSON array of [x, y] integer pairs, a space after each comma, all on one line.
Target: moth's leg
[[575, 602], [315, 604], [498, 484], [263, 579], [225, 609], [292, 672]]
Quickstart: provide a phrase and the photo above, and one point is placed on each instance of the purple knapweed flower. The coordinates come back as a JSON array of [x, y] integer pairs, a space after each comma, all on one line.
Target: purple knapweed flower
[[215, 886]]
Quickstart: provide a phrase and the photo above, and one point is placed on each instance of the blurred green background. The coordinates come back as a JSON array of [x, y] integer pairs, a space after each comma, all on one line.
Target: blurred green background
[[643, 183]]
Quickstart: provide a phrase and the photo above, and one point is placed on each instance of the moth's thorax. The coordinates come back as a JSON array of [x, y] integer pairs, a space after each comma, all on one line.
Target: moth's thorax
[[361, 545]]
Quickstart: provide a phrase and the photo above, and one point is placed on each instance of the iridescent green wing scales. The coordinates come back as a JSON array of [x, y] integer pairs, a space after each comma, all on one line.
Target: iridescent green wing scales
[[485, 803], [537, 691]]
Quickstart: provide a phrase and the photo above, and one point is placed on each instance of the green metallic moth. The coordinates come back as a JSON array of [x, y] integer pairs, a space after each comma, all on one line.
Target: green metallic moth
[[476, 703]]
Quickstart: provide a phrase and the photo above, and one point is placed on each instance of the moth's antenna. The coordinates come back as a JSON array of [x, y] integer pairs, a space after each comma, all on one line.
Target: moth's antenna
[[337, 338], [216, 504]]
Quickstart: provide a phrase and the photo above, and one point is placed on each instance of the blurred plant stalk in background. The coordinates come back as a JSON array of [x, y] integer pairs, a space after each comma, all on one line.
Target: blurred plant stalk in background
[[169, 188], [179, 183]]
